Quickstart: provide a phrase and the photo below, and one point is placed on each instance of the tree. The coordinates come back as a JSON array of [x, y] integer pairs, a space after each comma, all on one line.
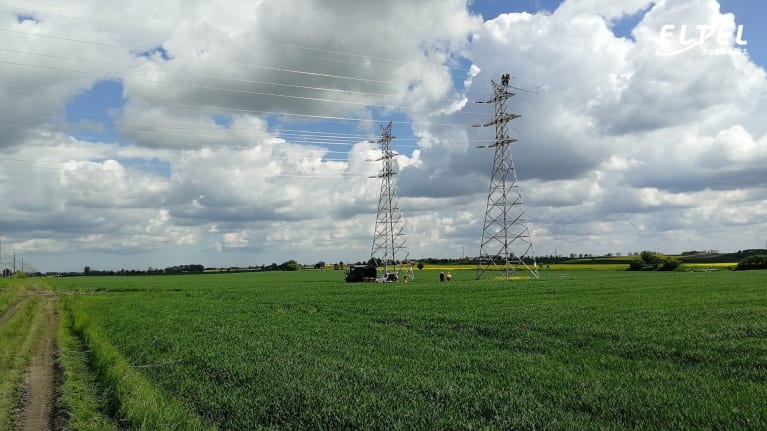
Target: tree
[[319, 265], [420, 265], [290, 265], [650, 257], [669, 264], [87, 270], [652, 261], [757, 261], [636, 265]]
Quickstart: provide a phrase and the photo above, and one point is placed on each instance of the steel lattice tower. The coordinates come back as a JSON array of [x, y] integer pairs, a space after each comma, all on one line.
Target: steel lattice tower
[[389, 245], [506, 244]]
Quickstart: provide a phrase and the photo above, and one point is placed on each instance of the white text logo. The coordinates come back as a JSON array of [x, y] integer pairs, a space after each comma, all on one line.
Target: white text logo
[[678, 39]]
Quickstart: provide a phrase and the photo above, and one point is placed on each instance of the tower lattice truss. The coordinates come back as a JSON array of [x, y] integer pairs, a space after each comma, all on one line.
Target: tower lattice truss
[[389, 242], [506, 244]]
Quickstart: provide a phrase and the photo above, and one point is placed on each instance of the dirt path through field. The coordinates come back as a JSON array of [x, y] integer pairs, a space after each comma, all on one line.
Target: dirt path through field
[[37, 407]]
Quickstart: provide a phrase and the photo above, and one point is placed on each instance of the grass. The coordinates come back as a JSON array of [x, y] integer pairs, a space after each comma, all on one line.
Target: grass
[[83, 397], [17, 337], [577, 349], [9, 293], [139, 401]]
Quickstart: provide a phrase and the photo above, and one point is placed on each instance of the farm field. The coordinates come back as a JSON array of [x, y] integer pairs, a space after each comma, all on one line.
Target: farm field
[[574, 350]]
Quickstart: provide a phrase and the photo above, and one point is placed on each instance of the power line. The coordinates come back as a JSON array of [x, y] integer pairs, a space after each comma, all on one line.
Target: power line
[[291, 174], [277, 134], [385, 59], [156, 30], [228, 90], [101, 44], [262, 39], [37, 90], [207, 87], [277, 69], [288, 114], [163, 70], [297, 139], [293, 136]]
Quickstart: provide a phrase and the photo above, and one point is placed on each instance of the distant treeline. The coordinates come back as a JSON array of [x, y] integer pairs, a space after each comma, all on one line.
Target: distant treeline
[[178, 269], [292, 265], [703, 257]]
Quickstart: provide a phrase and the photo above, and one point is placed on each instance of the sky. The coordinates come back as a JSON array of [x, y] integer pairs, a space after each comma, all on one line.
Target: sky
[[237, 133]]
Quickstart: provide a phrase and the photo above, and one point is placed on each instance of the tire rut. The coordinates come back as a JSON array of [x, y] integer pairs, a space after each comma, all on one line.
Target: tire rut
[[11, 310], [37, 406]]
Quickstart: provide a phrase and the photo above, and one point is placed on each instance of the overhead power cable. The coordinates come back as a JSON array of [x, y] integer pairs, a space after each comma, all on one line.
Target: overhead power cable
[[277, 69], [355, 56], [292, 136], [223, 89], [223, 78], [286, 114], [207, 87], [97, 167], [48, 36]]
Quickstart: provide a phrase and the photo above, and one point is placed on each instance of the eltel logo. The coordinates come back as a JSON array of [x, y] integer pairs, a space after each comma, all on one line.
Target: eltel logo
[[676, 40]]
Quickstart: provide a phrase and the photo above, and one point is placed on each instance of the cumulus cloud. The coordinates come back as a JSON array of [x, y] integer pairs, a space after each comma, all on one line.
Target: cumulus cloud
[[228, 136]]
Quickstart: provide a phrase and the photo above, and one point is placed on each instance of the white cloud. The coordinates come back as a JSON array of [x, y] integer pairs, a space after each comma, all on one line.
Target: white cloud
[[620, 146], [235, 239], [608, 9]]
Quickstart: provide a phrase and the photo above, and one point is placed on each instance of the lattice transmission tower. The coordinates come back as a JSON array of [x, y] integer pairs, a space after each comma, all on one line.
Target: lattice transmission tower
[[506, 244], [389, 243]]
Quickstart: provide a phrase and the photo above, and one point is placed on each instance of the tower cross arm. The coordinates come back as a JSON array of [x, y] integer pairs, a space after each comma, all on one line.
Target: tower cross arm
[[502, 118], [500, 96]]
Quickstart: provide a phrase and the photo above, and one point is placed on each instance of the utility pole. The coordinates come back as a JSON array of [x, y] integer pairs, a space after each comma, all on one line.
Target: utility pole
[[506, 245], [389, 244]]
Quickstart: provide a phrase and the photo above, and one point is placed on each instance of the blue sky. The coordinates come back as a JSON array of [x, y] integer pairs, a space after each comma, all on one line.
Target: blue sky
[[98, 105], [751, 15]]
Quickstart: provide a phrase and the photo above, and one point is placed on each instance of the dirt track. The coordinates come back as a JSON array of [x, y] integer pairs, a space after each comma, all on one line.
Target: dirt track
[[36, 410]]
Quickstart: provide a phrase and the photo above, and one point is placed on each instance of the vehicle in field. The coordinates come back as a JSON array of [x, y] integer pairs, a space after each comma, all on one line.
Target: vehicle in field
[[388, 277], [369, 274], [361, 274]]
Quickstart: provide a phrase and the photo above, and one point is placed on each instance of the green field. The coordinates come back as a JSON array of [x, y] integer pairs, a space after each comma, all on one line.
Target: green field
[[574, 350]]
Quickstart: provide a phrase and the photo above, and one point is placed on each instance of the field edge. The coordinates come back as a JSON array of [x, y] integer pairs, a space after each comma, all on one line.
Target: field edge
[[136, 399]]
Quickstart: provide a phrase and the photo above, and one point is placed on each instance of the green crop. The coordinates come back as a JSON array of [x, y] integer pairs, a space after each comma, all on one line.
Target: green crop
[[574, 350]]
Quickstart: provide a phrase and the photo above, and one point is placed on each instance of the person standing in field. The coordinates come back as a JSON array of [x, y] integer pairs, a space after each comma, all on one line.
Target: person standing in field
[[441, 276], [449, 276]]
